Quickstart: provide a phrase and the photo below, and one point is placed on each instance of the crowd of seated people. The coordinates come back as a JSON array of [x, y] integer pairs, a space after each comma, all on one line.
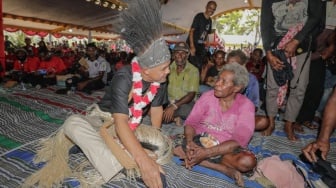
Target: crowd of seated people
[[45, 64]]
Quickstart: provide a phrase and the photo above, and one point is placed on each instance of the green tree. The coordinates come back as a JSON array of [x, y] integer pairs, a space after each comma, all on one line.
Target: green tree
[[229, 23], [242, 22], [18, 39]]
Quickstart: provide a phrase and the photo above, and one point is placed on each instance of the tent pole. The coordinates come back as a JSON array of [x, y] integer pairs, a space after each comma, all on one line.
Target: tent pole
[[50, 38], [2, 45], [90, 37]]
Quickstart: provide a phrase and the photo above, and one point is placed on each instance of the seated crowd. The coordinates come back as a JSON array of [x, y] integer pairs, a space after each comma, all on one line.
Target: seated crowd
[[85, 69]]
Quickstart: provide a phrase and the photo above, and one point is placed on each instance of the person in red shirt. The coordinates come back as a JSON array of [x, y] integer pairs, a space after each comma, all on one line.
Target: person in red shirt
[[50, 66], [23, 68], [255, 64], [69, 59], [25, 63]]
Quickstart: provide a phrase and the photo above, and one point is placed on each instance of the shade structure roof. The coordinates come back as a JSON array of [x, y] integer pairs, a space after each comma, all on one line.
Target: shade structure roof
[[82, 16]]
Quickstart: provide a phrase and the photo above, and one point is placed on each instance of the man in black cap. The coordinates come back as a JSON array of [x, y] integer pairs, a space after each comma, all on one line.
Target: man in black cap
[[182, 86], [23, 70]]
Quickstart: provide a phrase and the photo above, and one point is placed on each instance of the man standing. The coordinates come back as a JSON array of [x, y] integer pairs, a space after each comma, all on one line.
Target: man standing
[[290, 30], [183, 85], [198, 34]]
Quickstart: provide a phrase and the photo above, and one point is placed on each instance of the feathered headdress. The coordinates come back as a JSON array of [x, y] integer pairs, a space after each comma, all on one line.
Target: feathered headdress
[[140, 25]]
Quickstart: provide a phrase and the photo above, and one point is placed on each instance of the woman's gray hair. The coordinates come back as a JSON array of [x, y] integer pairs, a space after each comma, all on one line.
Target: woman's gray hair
[[241, 75], [238, 53]]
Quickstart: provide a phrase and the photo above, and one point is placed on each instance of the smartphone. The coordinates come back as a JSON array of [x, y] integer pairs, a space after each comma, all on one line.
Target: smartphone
[[42, 71]]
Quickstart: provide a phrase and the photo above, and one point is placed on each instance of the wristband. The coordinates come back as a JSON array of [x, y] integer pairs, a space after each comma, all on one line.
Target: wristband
[[174, 105]]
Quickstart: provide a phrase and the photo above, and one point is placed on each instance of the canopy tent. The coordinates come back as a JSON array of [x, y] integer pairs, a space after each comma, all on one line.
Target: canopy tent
[[78, 17]]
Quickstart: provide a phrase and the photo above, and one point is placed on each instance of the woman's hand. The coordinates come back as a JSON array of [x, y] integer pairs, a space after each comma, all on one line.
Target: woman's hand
[[195, 155]]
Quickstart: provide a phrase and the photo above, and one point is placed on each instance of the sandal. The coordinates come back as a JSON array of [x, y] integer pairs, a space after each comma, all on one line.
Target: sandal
[[311, 125], [317, 120], [298, 128]]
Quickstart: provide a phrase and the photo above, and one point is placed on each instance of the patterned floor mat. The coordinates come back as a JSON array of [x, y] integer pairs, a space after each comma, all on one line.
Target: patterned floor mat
[[26, 116]]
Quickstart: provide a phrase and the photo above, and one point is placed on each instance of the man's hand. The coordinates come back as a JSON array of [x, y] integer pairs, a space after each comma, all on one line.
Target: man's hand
[[168, 114], [275, 62], [150, 172], [291, 47], [310, 150]]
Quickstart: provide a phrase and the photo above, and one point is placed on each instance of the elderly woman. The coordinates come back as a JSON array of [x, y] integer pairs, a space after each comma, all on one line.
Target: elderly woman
[[220, 125]]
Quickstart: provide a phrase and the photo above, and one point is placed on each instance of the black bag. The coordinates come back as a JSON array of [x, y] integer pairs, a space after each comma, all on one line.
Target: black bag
[[323, 168], [285, 74]]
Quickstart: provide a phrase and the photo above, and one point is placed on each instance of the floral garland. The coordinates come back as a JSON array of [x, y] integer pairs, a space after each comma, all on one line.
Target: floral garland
[[140, 102]]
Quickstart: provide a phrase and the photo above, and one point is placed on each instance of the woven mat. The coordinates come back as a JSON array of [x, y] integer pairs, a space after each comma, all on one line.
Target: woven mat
[[26, 116]]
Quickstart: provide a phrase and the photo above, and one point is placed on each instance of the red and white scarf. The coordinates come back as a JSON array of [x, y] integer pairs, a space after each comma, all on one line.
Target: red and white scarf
[[135, 112]]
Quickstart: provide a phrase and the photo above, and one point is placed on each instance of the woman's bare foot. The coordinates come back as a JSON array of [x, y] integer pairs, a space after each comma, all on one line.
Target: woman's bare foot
[[270, 128], [231, 172], [289, 130], [178, 151]]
